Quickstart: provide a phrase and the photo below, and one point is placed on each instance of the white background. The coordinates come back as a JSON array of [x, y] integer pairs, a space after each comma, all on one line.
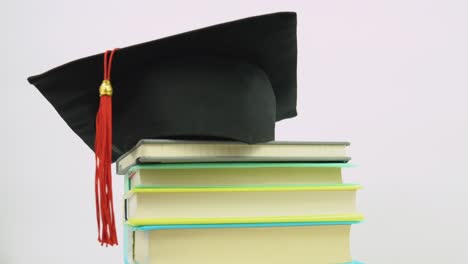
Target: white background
[[389, 76]]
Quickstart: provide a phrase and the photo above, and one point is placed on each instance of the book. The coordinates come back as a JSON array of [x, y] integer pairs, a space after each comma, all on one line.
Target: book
[[170, 151], [233, 174], [246, 204], [229, 202], [318, 243]]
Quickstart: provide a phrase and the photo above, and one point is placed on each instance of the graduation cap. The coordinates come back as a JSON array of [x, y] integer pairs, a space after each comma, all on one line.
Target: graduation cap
[[230, 81]]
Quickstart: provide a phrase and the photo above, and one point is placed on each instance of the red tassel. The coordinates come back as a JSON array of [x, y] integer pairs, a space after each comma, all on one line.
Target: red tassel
[[107, 234]]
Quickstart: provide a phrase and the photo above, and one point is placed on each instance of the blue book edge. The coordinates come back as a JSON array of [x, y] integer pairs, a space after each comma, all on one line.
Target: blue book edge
[[240, 165], [125, 244], [241, 225]]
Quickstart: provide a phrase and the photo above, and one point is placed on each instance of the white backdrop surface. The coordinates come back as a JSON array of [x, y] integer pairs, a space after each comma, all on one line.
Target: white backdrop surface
[[389, 76]]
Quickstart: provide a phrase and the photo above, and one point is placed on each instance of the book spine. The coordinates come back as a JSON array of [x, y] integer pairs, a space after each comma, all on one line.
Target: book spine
[[128, 245]]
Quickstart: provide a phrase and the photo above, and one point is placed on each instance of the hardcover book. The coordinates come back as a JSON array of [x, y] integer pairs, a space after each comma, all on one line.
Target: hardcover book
[[299, 203], [319, 243], [170, 151], [233, 174]]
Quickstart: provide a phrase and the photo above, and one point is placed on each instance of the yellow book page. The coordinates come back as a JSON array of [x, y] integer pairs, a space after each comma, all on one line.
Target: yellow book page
[[310, 244], [238, 220], [336, 187]]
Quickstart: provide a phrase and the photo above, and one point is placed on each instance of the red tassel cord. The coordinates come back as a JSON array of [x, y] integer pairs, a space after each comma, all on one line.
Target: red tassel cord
[[107, 234]]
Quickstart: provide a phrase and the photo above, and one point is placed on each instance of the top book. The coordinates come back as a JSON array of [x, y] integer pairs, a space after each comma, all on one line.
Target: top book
[[176, 151]]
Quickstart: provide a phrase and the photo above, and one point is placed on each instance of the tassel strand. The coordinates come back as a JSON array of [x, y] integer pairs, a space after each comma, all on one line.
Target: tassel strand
[[107, 234]]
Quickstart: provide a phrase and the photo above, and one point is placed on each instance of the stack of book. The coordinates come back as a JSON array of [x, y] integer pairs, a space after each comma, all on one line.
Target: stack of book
[[226, 202]]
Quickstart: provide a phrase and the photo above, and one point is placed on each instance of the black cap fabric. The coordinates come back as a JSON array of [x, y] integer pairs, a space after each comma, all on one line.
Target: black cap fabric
[[230, 81]]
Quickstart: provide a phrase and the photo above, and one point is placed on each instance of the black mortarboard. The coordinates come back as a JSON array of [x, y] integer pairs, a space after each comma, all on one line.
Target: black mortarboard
[[230, 81]]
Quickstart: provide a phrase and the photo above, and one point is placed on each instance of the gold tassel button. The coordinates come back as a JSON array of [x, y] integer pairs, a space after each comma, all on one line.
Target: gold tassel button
[[105, 88]]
